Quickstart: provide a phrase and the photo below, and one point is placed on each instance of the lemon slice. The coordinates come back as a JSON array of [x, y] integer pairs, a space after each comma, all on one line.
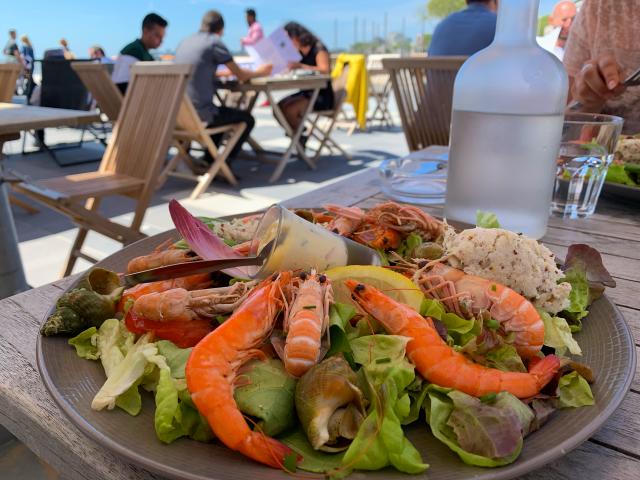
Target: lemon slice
[[391, 283]]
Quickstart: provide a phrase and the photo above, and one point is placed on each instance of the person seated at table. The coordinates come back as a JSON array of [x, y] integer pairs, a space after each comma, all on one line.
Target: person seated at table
[[601, 52], [153, 30], [97, 53], [205, 50], [465, 32], [315, 57]]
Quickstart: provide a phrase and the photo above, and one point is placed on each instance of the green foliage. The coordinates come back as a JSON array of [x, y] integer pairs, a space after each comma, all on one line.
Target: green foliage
[[542, 23], [442, 8]]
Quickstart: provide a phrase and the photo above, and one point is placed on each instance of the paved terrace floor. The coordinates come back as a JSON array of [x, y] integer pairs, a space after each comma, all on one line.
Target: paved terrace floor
[[46, 237]]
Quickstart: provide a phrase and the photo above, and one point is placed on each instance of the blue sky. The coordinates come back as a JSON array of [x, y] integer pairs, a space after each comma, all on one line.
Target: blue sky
[[114, 23]]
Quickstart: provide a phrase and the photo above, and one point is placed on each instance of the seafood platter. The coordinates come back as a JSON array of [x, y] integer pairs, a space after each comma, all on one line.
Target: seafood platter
[[381, 343]]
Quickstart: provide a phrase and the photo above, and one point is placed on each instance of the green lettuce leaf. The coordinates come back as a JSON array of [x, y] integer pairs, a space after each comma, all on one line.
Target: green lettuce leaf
[[381, 440], [505, 358], [85, 344], [486, 219], [114, 341], [482, 435], [409, 245], [616, 173], [557, 334], [339, 316], [314, 461], [176, 357], [176, 416], [459, 329], [126, 374], [267, 393], [579, 298], [574, 391]]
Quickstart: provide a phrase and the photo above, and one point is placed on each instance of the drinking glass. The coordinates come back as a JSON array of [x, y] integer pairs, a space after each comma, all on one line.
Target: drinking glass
[[586, 151], [297, 244]]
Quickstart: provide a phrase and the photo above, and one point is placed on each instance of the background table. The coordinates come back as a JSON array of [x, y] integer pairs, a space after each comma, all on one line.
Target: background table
[[268, 85], [14, 119], [613, 453]]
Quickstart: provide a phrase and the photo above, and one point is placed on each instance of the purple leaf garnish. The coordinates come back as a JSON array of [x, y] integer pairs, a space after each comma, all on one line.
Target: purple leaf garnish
[[202, 240]]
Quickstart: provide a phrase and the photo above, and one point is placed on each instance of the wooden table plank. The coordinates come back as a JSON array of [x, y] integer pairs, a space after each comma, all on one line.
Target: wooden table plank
[[15, 118]]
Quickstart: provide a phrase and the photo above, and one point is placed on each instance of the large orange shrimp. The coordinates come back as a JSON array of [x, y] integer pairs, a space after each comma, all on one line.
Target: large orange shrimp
[[466, 295], [441, 364], [213, 365], [192, 282], [306, 322], [160, 257], [180, 305]]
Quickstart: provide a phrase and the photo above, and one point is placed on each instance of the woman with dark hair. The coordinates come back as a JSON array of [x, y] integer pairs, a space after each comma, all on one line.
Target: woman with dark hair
[[315, 57]]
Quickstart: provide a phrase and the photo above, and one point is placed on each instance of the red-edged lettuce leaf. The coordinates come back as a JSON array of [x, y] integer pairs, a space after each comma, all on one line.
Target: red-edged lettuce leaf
[[581, 257], [202, 240]]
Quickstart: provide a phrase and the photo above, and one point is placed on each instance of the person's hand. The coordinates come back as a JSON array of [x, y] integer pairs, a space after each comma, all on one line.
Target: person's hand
[[264, 70], [599, 80], [294, 65]]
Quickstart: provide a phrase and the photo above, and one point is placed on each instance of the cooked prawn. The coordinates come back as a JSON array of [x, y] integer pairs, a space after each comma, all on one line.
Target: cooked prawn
[[192, 282], [306, 322], [161, 257], [213, 365], [441, 364], [183, 305], [466, 295], [346, 219]]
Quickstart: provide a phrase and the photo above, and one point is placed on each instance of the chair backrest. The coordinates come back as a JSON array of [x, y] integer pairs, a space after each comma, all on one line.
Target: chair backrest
[[9, 73], [96, 77], [61, 87], [188, 120], [423, 89], [142, 134]]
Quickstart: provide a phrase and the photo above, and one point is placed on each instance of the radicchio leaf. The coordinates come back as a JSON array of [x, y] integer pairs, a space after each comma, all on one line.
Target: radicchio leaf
[[202, 240]]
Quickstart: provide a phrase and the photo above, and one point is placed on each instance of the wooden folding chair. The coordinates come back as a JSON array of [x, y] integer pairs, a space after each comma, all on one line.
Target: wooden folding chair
[[96, 78], [423, 89], [189, 128], [131, 163], [9, 73], [322, 122]]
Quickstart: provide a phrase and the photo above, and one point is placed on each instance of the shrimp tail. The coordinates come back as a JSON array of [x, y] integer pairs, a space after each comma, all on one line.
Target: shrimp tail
[[545, 369], [266, 450]]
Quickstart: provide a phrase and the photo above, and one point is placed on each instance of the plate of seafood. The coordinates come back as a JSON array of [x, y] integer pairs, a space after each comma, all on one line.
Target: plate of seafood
[[381, 343]]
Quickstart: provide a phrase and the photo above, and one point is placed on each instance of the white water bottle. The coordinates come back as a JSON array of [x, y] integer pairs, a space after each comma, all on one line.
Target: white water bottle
[[506, 126]]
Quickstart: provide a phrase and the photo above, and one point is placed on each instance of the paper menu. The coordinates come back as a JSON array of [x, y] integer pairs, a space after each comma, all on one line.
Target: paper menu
[[275, 49]]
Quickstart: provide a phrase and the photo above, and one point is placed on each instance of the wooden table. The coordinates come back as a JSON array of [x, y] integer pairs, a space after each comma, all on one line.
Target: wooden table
[[14, 119], [29, 413], [268, 85]]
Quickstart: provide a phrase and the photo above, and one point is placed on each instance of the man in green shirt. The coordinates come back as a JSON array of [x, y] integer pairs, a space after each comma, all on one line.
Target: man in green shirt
[[153, 29]]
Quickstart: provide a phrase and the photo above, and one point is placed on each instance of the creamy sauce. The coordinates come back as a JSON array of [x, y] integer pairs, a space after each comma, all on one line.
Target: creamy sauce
[[303, 245]]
